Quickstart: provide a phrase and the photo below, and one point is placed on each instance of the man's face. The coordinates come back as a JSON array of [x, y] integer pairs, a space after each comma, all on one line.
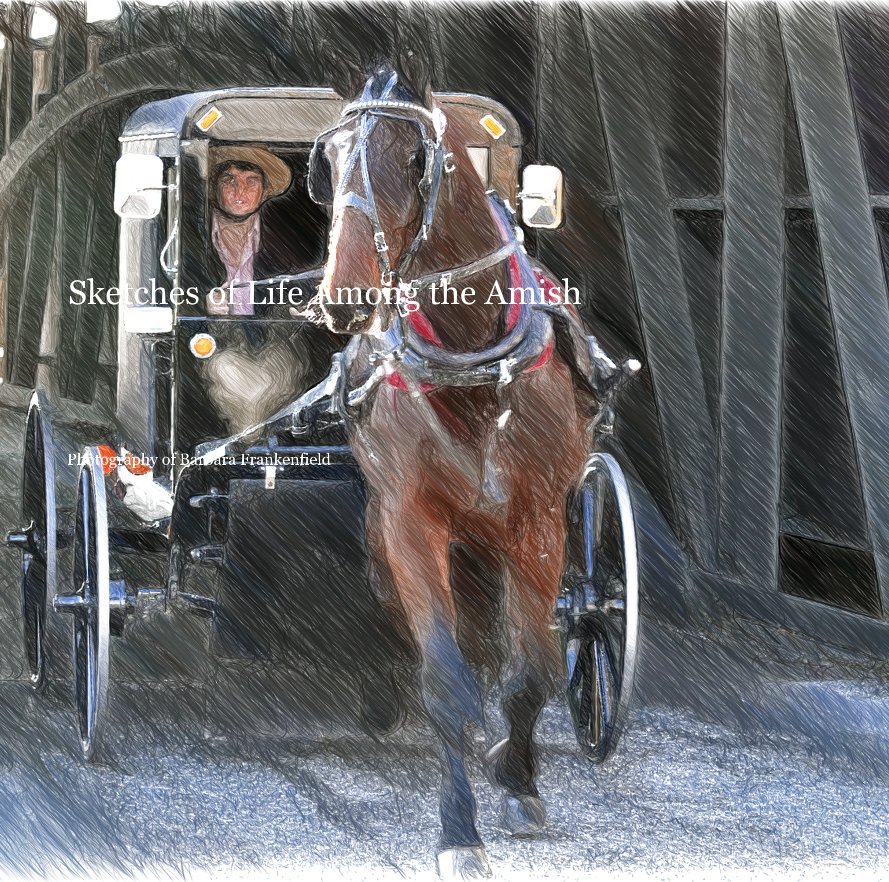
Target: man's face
[[239, 192]]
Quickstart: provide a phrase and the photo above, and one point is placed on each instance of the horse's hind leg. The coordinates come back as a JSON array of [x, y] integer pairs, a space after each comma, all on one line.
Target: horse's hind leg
[[532, 580], [448, 687]]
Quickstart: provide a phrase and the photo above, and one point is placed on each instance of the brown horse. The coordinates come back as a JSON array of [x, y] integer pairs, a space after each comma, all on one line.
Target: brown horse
[[471, 430]]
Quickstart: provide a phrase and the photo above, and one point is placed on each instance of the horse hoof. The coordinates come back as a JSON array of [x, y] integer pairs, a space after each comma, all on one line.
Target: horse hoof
[[463, 863], [524, 815]]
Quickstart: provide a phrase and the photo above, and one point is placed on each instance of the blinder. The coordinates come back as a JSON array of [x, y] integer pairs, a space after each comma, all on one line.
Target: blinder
[[320, 180]]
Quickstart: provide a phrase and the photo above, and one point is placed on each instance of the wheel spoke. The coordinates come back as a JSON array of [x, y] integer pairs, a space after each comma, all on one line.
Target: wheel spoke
[[596, 709], [593, 502], [79, 672], [585, 695], [571, 651], [39, 657], [85, 525], [589, 534], [90, 678], [33, 611], [604, 681]]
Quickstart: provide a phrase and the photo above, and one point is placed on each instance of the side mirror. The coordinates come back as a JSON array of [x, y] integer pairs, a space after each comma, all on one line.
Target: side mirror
[[138, 185], [541, 197]]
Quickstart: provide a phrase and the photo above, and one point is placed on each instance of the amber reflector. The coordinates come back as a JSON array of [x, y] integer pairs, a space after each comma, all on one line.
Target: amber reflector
[[202, 345]]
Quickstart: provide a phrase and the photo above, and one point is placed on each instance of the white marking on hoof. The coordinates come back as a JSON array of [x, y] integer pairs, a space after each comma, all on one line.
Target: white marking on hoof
[[463, 863]]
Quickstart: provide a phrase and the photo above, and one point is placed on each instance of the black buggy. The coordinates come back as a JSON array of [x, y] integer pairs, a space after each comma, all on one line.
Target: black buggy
[[232, 551]]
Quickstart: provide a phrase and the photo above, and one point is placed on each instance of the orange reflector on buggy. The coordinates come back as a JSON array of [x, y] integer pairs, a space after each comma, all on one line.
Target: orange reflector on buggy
[[202, 345], [492, 126], [211, 116]]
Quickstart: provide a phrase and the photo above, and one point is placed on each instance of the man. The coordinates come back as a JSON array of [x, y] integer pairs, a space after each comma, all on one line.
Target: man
[[243, 179], [256, 370]]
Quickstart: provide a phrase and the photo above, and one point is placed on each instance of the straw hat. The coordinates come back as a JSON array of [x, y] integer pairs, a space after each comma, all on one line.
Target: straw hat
[[277, 172]]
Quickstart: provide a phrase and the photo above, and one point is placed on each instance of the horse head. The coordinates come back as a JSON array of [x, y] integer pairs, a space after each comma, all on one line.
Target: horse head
[[379, 169]]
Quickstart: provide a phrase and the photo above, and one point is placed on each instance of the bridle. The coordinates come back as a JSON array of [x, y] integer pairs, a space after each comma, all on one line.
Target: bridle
[[438, 163]]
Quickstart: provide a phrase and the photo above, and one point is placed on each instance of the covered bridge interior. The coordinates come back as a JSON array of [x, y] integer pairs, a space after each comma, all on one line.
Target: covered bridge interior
[[727, 218]]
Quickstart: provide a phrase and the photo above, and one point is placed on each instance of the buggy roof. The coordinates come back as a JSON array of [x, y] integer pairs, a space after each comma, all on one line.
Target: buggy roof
[[273, 114], [237, 115]]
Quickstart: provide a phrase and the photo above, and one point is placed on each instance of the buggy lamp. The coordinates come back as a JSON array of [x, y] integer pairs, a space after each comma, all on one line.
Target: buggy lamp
[[202, 345], [541, 197], [138, 186]]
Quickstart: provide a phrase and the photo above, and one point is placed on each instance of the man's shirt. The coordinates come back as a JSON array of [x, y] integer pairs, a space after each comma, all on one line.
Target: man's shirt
[[236, 243]]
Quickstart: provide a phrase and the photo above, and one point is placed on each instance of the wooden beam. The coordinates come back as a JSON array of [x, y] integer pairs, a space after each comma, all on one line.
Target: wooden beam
[[653, 252], [853, 268], [752, 307]]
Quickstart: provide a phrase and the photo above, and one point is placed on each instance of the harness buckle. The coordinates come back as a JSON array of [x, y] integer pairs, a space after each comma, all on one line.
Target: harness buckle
[[506, 375], [380, 242], [402, 296]]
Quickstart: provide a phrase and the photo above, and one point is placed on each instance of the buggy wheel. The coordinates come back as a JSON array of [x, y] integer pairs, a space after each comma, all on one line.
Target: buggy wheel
[[37, 539], [599, 607], [89, 604]]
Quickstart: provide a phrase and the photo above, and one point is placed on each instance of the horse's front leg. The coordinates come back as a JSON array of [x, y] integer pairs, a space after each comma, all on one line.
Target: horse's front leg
[[418, 546], [533, 573]]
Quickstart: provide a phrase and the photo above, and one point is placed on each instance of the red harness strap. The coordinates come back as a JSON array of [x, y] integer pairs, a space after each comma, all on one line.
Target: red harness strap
[[421, 324], [423, 327]]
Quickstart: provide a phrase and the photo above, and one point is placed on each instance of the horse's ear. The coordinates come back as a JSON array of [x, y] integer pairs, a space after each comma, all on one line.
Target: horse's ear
[[415, 71]]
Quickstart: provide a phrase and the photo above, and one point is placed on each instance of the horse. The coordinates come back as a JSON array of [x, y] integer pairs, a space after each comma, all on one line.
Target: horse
[[465, 421]]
